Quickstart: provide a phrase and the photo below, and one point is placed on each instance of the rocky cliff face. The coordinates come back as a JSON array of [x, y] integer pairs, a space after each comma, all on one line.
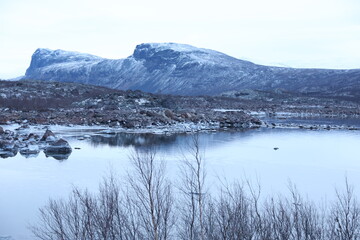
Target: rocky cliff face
[[182, 69]]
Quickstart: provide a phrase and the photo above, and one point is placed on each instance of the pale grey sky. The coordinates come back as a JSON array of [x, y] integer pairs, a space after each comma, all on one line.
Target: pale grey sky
[[295, 33]]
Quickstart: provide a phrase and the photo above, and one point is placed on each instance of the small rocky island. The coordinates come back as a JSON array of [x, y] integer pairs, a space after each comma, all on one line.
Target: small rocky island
[[30, 145]]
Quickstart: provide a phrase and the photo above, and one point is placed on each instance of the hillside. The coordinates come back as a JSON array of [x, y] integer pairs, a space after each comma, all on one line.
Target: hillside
[[172, 68]]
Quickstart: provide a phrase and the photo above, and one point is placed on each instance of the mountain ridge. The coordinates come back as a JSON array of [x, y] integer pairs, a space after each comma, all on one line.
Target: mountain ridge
[[182, 69]]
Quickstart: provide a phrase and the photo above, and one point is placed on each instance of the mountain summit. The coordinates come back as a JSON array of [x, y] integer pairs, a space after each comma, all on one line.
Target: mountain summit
[[173, 68]]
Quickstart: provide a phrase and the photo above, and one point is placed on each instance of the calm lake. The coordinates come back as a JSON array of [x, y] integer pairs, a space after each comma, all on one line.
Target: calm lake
[[316, 161]]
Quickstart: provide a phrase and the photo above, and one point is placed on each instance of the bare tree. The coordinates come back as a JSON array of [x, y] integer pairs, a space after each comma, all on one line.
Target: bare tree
[[152, 196], [192, 187]]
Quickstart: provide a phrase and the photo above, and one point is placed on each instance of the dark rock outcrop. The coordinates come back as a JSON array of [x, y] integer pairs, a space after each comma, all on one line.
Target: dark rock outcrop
[[60, 146], [182, 69]]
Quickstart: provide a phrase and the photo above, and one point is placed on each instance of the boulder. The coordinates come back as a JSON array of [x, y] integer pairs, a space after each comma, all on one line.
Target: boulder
[[22, 127], [1, 130], [31, 136], [31, 149], [60, 146], [168, 113], [7, 145], [186, 115], [48, 136], [8, 148]]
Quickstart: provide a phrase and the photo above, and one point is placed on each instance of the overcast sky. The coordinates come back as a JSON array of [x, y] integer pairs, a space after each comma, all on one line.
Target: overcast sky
[[295, 33]]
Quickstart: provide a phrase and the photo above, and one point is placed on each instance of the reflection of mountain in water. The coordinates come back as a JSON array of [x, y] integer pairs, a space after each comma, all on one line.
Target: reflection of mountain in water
[[137, 140]]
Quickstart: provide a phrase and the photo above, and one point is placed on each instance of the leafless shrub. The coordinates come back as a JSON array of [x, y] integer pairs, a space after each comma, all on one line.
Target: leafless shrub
[[140, 210], [344, 218], [231, 215], [293, 218], [84, 215]]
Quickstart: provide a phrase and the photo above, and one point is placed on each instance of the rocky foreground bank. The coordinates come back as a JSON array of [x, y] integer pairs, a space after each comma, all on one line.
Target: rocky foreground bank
[[49, 103], [46, 103]]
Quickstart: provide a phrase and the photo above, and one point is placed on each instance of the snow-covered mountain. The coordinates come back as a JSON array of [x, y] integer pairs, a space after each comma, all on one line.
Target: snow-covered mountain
[[186, 70]]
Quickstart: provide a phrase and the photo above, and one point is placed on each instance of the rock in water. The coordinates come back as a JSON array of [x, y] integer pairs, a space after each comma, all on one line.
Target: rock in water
[[8, 148], [60, 146], [6, 145], [31, 150], [48, 136]]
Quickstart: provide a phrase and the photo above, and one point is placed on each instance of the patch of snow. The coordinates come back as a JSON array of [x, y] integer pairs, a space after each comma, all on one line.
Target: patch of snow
[[65, 54], [257, 113], [141, 101], [51, 139], [227, 110], [180, 47], [199, 55], [68, 66], [33, 148]]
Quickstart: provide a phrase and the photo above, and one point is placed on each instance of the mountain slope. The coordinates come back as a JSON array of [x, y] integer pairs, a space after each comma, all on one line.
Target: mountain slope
[[182, 69]]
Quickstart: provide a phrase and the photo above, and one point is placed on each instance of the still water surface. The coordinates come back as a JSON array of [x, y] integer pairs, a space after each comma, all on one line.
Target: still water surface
[[316, 161]]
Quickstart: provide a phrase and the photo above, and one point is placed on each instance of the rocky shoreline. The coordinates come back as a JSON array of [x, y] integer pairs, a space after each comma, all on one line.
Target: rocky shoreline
[[312, 126], [36, 103], [29, 144], [131, 118]]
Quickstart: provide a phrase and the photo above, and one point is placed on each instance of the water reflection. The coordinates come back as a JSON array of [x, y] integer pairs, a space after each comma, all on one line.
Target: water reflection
[[58, 156], [7, 154], [29, 154], [137, 140], [33, 154]]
